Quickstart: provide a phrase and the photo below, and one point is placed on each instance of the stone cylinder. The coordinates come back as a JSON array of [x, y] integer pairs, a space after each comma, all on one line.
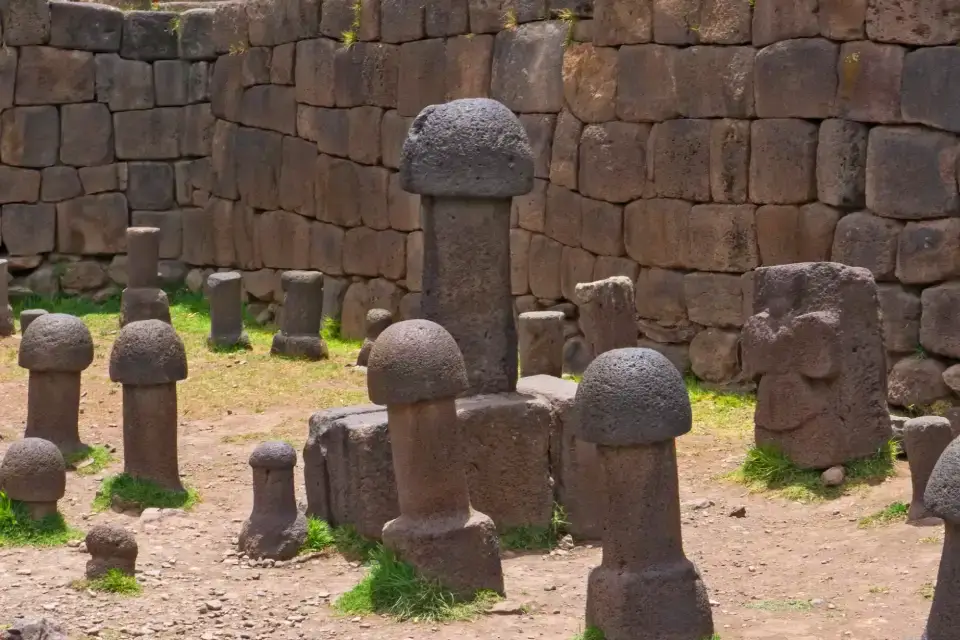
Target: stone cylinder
[[225, 292], [7, 327], [275, 529], [27, 316], [299, 334], [942, 498], [110, 548], [541, 343], [150, 434], [924, 439], [33, 473], [143, 257], [608, 313]]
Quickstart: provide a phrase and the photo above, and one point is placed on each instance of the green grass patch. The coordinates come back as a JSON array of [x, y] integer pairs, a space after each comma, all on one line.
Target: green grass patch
[[781, 605], [926, 590], [90, 460], [537, 538], [768, 469], [319, 536], [142, 493], [722, 413], [896, 512], [17, 529], [352, 545], [393, 588], [590, 633], [115, 581]]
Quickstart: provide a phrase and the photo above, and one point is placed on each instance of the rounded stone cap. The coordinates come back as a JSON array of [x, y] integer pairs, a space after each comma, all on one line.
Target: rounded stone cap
[[542, 316], [942, 495], [56, 342], [926, 423], [134, 232], [33, 470], [148, 352], [632, 397], [413, 361], [472, 148], [112, 541], [273, 455], [217, 279], [300, 278], [377, 321]]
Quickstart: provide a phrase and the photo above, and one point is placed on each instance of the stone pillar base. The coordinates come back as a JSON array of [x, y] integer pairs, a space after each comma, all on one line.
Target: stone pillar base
[[40, 510], [241, 340], [461, 551], [666, 602], [98, 567], [143, 304], [273, 538], [309, 347]]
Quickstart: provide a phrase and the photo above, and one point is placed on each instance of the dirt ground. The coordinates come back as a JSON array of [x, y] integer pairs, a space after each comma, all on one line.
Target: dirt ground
[[786, 570]]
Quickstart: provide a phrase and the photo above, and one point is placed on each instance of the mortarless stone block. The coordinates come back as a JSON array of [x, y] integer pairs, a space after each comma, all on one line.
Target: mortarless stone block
[[527, 71], [796, 78], [54, 76], [363, 124], [86, 135], [870, 80], [87, 27], [868, 241], [680, 159], [326, 248], [545, 263], [842, 19], [59, 183], [788, 233], [656, 232], [170, 225], [900, 311], [284, 239], [422, 79], [608, 267], [147, 35], [638, 97], [26, 22], [259, 160], [195, 33], [367, 74], [150, 185], [820, 363], [842, 163], [590, 81], [125, 85], [906, 175], [393, 131], [469, 61], [272, 107], [530, 210], [564, 160], [519, 262], [715, 82], [403, 20], [170, 80], [929, 251], [93, 224], [723, 238], [729, 160], [912, 22], [782, 20], [296, 186], [19, 185], [601, 227], [916, 382], [929, 91], [8, 76], [196, 139], [31, 137], [314, 72], [714, 355], [940, 320], [415, 265], [783, 161], [612, 163], [274, 22], [576, 267], [659, 295], [28, 229], [360, 252], [539, 128], [153, 134], [563, 218], [617, 22], [230, 27], [282, 63]]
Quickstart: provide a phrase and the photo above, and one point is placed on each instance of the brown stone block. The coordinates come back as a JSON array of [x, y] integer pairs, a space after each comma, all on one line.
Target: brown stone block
[[564, 160], [28, 229], [602, 227], [715, 82], [783, 161], [656, 232], [367, 73], [590, 81], [608, 267], [715, 355], [916, 382], [19, 185], [54, 76], [545, 266], [415, 261], [870, 77], [787, 234], [222, 161], [519, 262], [393, 131], [842, 19], [779, 20], [296, 186], [469, 61], [865, 240], [723, 238], [940, 320], [259, 160], [284, 239], [724, 22], [271, 107], [374, 183], [360, 252], [913, 22], [93, 224], [646, 83], [714, 299], [153, 134], [527, 73], [169, 223], [796, 79], [563, 218], [659, 295], [729, 160], [314, 72], [929, 89], [842, 163], [338, 187], [617, 22], [363, 124], [530, 209], [576, 266], [402, 20], [422, 79], [900, 311], [929, 251], [680, 159], [612, 164], [404, 207], [539, 128], [326, 248], [391, 254]]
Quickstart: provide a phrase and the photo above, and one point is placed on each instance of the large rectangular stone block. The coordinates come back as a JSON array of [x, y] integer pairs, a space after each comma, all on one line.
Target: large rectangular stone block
[[842, 163], [403, 208], [446, 18], [929, 89], [842, 19], [124, 85], [900, 312], [539, 128], [868, 241], [54, 76], [714, 299], [259, 160], [870, 79], [274, 22], [783, 160], [170, 80], [402, 20], [391, 254], [314, 72], [619, 22], [576, 267], [28, 229], [196, 139], [563, 220], [171, 229], [729, 160], [422, 79], [153, 134], [93, 224], [87, 27], [363, 124], [929, 251], [469, 60], [796, 78], [656, 232], [329, 128], [284, 240], [271, 107], [723, 238], [913, 22], [195, 34], [393, 132], [608, 267], [784, 19], [590, 81], [8, 75], [601, 229], [564, 160], [230, 27], [659, 295], [527, 71], [25, 22], [360, 252], [19, 185], [297, 179], [149, 35], [646, 83], [940, 320], [150, 185], [545, 264], [59, 183], [715, 82], [911, 173], [337, 187], [530, 209], [86, 132], [680, 159], [31, 137], [788, 233], [519, 262], [222, 161], [326, 248], [226, 87], [367, 74], [613, 161]]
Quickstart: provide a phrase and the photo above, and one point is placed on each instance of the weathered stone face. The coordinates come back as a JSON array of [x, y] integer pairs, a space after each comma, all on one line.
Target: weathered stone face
[[815, 339]]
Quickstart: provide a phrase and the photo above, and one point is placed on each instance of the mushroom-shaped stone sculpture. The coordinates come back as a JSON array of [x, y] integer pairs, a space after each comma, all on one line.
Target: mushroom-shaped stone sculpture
[[275, 529], [467, 159], [148, 359], [942, 498], [110, 547], [33, 472], [632, 405], [417, 371], [376, 321], [56, 348]]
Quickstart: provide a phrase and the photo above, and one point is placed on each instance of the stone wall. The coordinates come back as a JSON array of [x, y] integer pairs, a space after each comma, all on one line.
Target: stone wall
[[679, 142]]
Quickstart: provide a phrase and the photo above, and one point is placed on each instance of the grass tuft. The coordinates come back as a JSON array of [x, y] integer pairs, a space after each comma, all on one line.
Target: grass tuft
[[926, 590], [720, 413], [896, 512], [768, 469], [143, 493], [781, 605], [393, 588], [319, 536], [590, 633], [115, 581], [99, 459], [17, 529], [537, 538], [352, 545]]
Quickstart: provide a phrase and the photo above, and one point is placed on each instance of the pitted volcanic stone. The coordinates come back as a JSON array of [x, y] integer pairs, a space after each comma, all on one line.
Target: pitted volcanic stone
[[110, 540], [273, 455], [413, 361], [299, 277], [632, 397], [148, 352], [27, 316], [33, 470], [56, 342], [217, 279], [942, 496], [377, 322], [474, 148]]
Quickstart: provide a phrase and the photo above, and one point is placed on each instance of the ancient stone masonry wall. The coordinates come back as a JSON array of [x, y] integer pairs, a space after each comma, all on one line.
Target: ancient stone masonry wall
[[681, 143]]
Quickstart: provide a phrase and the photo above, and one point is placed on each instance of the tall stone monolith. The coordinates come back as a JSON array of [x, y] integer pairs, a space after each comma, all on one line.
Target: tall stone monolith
[[143, 299]]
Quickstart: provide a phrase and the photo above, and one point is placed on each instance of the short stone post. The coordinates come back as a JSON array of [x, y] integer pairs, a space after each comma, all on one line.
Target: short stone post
[[275, 529], [148, 359], [608, 314], [541, 343], [299, 335], [225, 293], [33, 472], [143, 299], [632, 405], [924, 439], [56, 349], [942, 498], [377, 321], [467, 159], [417, 371], [7, 327], [27, 316], [110, 547]]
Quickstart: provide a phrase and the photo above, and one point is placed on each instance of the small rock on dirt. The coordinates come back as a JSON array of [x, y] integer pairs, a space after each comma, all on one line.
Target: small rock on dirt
[[833, 477], [738, 512], [506, 608]]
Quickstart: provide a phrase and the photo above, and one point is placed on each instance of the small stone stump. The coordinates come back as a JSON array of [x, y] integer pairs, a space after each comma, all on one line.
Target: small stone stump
[[56, 349], [632, 405], [467, 159], [110, 547], [33, 472], [608, 314], [541, 343], [143, 299], [27, 316], [815, 345], [275, 529], [377, 320], [7, 327], [148, 359], [924, 439], [417, 371], [225, 293], [299, 335], [942, 498]]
